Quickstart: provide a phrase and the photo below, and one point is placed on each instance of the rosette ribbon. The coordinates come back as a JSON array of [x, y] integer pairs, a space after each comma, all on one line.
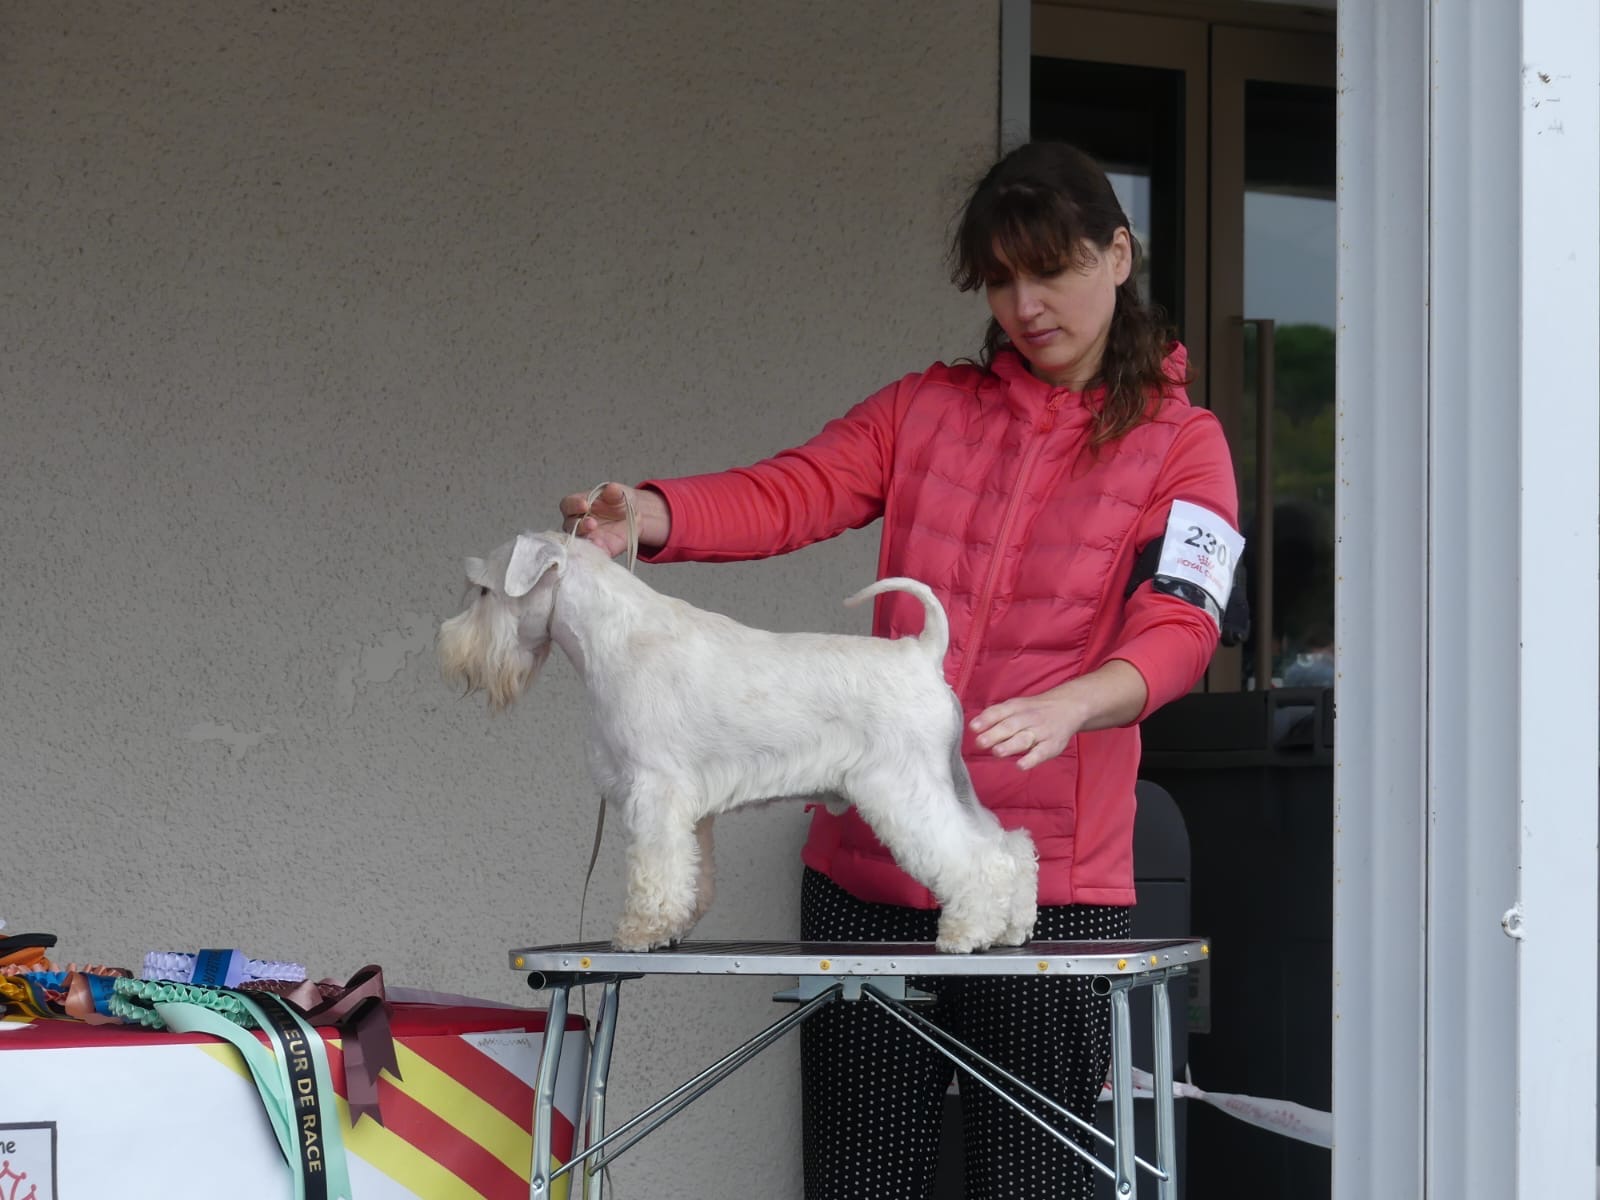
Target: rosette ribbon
[[75, 994], [217, 968], [290, 1072], [360, 1012], [17, 996], [26, 950]]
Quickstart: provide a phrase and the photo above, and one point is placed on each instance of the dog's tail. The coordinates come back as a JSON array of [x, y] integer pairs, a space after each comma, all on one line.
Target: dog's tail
[[935, 635]]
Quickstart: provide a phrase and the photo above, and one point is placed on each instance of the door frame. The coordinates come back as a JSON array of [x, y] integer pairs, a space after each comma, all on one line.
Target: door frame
[[1166, 43]]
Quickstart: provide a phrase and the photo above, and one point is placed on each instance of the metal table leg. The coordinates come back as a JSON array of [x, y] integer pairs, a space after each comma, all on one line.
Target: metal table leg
[[595, 1088], [555, 1030], [1166, 1138], [1122, 1093]]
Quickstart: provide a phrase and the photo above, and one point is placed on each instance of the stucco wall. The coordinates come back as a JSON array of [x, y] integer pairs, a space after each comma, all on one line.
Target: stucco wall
[[299, 305]]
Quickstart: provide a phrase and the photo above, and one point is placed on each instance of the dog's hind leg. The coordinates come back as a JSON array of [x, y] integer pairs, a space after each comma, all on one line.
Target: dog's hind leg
[[946, 846], [705, 889], [1024, 908], [663, 873], [983, 906]]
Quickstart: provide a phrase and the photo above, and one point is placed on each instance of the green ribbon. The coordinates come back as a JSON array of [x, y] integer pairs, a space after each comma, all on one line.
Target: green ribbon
[[295, 1084], [133, 999]]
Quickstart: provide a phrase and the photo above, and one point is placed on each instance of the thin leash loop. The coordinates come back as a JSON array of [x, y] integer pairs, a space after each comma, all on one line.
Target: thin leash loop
[[594, 856], [629, 515], [632, 519]]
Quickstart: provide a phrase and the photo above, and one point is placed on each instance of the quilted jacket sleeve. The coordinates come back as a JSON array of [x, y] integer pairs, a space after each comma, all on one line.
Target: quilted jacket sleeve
[[1168, 640], [835, 481]]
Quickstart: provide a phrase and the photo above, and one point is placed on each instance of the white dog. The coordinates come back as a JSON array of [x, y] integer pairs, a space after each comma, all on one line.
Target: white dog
[[694, 715]]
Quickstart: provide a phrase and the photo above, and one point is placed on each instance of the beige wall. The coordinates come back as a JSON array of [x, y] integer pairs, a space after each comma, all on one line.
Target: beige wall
[[299, 305]]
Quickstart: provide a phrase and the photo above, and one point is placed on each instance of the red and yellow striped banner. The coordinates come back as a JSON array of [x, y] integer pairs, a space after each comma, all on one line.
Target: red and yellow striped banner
[[457, 1125]]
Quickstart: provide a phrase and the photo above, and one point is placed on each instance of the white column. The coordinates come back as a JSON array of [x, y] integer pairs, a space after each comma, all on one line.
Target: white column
[[1469, 611], [1558, 310], [1382, 521], [1472, 619]]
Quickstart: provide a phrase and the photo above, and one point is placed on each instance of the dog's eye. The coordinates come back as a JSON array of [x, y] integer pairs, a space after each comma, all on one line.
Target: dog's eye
[[482, 591]]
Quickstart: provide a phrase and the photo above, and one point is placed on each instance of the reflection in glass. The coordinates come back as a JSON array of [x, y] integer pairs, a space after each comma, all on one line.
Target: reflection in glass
[[1133, 193], [1130, 119], [1289, 253]]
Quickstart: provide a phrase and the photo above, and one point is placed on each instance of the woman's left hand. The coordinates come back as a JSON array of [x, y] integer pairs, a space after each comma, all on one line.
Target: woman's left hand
[[1036, 727], [1039, 727]]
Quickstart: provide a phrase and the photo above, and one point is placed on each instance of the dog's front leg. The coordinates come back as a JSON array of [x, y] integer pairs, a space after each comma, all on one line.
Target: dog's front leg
[[663, 874]]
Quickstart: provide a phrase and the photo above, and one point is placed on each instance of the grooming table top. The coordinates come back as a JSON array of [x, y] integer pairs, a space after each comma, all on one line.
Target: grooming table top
[[1122, 958]]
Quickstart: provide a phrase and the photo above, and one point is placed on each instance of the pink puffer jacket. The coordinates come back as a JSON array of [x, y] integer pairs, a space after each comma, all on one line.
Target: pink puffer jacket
[[991, 493]]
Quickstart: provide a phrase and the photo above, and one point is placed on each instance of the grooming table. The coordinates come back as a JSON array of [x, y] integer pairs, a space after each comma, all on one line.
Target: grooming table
[[861, 972]]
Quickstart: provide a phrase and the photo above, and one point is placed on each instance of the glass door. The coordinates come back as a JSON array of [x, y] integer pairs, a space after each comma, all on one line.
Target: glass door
[[1272, 338], [1220, 141], [1258, 801]]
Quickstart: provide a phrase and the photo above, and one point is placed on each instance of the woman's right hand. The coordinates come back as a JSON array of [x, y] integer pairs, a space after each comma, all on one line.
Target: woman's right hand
[[605, 521]]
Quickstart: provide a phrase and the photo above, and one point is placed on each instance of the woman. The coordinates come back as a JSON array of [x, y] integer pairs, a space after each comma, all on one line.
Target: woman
[[1076, 517]]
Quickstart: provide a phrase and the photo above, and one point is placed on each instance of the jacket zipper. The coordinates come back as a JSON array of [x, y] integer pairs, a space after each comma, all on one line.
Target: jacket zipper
[[980, 616]]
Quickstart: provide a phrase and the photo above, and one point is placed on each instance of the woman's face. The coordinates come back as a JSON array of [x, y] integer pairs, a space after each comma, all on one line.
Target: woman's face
[[1059, 322]]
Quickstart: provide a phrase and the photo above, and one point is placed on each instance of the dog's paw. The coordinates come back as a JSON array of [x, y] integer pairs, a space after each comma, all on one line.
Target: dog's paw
[[955, 937], [1015, 935], [636, 936], [643, 946], [1020, 925]]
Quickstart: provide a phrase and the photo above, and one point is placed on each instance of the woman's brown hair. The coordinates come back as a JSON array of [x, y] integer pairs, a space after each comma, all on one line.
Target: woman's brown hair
[[1038, 210]]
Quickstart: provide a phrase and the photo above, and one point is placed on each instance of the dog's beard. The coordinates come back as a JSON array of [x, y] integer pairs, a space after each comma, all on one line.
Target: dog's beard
[[481, 654]]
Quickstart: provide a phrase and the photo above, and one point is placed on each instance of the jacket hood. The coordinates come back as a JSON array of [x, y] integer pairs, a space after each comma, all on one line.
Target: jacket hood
[[1026, 394]]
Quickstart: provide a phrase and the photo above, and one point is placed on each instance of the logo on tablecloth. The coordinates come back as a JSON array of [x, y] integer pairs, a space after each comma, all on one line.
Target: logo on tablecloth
[[28, 1161]]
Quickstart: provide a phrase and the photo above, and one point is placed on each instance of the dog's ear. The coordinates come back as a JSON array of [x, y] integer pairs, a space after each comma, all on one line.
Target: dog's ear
[[478, 573], [531, 557]]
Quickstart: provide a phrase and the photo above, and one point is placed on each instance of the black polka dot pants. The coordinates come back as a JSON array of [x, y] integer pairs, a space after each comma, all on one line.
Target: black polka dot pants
[[873, 1092]]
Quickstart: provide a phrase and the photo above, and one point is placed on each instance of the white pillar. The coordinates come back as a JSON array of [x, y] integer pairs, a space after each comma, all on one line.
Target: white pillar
[[1558, 307], [1469, 613], [1380, 609]]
